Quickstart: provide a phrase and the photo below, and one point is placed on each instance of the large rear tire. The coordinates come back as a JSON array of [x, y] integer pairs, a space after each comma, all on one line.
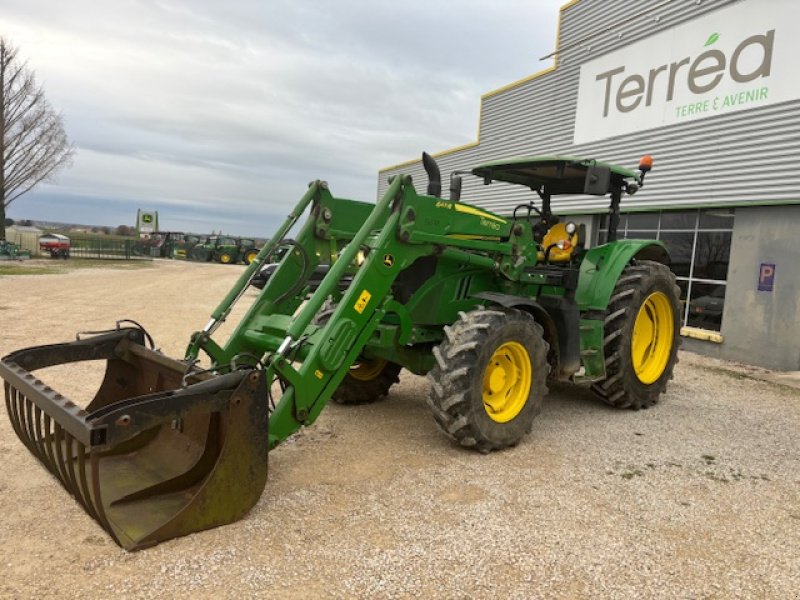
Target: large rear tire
[[367, 380], [489, 380], [642, 335]]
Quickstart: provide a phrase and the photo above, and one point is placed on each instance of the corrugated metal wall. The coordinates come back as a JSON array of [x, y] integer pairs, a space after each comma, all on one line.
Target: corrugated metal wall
[[745, 156]]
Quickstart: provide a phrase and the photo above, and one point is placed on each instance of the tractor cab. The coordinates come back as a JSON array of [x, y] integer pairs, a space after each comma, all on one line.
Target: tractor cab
[[553, 175]]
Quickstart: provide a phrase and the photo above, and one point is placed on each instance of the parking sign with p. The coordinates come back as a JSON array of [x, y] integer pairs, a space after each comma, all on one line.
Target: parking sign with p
[[766, 277]]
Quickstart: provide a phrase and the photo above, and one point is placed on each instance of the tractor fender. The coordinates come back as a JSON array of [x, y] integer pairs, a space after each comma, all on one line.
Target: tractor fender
[[539, 313], [510, 301], [603, 265]]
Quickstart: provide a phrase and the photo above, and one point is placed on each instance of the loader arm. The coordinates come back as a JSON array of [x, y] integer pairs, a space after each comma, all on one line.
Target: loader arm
[[307, 360], [310, 360]]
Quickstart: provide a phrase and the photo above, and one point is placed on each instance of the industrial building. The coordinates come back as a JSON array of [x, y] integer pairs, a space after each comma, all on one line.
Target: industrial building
[[709, 88]]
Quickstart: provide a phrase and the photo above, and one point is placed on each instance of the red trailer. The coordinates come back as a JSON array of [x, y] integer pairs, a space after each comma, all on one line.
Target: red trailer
[[56, 244]]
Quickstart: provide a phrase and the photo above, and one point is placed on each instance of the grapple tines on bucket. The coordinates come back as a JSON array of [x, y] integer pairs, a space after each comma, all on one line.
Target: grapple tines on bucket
[[148, 459]]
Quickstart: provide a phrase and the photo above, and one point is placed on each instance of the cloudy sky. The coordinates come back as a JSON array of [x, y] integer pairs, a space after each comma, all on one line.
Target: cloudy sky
[[217, 114]]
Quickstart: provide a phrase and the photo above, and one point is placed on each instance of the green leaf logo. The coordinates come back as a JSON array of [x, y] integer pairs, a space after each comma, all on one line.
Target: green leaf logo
[[711, 39]]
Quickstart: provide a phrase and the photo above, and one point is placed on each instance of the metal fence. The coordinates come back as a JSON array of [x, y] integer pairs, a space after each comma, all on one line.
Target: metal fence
[[113, 249]]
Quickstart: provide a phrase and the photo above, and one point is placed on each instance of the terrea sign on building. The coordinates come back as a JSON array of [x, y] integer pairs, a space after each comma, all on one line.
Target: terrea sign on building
[[730, 59]]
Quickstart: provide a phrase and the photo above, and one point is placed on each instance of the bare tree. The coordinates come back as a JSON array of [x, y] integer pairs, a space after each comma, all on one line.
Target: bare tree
[[33, 144]]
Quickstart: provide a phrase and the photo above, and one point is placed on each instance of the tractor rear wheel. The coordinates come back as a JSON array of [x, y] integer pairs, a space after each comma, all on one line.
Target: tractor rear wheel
[[489, 380], [642, 335], [368, 379]]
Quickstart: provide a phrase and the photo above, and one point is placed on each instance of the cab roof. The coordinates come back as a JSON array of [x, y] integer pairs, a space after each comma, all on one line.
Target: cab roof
[[558, 174]]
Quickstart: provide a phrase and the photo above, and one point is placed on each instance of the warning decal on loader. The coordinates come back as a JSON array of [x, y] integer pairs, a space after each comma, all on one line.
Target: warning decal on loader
[[362, 301]]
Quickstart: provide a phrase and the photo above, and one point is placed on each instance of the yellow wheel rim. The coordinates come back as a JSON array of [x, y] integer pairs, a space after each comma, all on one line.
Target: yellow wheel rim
[[225, 259], [251, 257], [507, 382], [653, 333], [367, 369]]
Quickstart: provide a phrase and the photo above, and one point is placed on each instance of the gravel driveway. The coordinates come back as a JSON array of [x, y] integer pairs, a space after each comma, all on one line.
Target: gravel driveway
[[698, 497]]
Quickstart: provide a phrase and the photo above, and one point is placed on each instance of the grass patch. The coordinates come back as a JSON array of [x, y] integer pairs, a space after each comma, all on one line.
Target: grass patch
[[26, 270], [74, 264], [57, 267]]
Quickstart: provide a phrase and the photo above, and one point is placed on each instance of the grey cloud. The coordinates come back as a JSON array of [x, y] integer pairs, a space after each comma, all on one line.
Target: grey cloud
[[190, 100]]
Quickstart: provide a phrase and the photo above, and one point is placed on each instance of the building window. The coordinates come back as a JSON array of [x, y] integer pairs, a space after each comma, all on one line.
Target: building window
[[699, 242]]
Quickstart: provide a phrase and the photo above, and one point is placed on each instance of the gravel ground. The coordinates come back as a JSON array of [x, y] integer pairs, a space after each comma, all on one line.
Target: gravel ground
[[698, 497]]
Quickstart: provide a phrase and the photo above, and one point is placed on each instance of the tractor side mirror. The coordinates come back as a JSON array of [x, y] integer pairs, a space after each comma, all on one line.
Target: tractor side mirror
[[598, 180], [455, 187]]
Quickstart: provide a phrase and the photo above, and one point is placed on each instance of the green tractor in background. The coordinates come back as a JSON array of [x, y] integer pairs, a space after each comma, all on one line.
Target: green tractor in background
[[216, 248], [181, 246], [225, 249], [166, 244], [248, 250], [491, 308]]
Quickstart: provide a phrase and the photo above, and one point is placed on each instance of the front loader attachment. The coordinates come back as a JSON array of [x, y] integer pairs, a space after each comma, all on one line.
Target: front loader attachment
[[159, 452]]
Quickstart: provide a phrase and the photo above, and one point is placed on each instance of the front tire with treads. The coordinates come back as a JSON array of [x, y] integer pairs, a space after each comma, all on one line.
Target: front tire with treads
[[489, 380], [642, 335]]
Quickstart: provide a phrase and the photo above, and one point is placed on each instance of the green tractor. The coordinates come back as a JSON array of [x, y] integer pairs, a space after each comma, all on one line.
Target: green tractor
[[248, 250], [216, 248], [161, 244], [491, 308], [226, 250], [181, 246]]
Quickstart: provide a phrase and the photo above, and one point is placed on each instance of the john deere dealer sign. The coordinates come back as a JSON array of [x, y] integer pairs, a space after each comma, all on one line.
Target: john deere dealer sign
[[146, 222], [736, 58]]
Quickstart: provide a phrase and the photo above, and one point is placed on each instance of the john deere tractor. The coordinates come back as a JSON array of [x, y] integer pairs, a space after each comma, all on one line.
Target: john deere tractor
[[216, 248], [225, 249], [248, 250], [490, 307]]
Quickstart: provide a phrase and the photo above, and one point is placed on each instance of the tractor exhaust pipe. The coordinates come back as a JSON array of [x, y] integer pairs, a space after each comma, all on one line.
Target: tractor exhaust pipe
[[434, 175]]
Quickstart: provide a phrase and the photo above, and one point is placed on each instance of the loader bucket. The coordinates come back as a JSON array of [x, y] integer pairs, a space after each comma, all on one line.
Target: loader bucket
[[150, 458]]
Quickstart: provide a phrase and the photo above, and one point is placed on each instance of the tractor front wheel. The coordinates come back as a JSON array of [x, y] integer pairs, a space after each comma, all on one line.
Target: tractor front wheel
[[642, 335], [250, 256], [489, 380], [225, 258], [368, 379]]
